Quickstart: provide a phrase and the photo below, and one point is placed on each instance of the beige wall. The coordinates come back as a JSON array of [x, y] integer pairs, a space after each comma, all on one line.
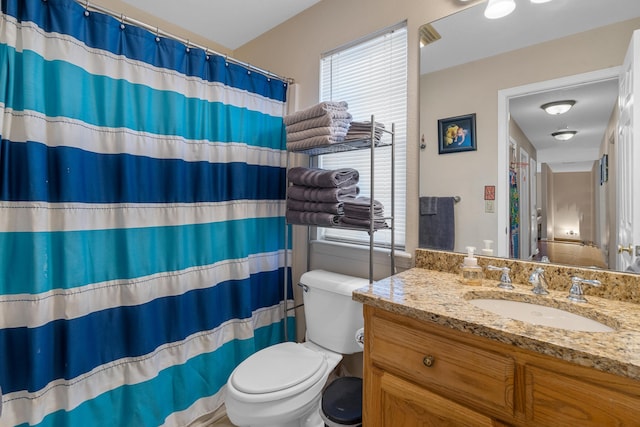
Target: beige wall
[[127, 10], [474, 87], [574, 209]]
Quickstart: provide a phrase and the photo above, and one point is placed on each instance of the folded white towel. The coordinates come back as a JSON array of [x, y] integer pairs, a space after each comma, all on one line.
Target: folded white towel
[[313, 142], [362, 130], [327, 108], [338, 132], [318, 122]]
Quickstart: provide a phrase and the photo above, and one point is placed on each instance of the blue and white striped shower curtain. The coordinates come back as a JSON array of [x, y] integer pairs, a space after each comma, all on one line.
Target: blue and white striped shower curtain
[[141, 220]]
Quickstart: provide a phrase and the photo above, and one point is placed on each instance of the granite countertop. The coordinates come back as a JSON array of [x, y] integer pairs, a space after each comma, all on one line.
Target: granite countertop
[[441, 297]]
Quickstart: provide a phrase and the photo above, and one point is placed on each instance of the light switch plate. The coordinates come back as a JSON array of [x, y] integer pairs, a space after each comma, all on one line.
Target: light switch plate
[[488, 206]]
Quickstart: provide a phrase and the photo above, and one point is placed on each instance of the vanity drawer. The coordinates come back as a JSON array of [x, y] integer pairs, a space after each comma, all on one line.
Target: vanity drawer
[[464, 373]]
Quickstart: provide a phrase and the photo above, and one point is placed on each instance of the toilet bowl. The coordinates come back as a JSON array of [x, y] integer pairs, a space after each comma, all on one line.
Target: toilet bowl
[[281, 385]]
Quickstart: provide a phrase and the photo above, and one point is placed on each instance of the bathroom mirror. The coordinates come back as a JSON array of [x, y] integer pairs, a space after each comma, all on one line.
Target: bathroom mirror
[[503, 71]]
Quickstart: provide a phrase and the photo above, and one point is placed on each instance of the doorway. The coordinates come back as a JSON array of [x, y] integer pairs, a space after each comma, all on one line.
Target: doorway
[[505, 97]]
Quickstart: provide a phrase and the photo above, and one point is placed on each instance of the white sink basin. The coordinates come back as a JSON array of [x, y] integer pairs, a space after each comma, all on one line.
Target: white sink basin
[[540, 315]]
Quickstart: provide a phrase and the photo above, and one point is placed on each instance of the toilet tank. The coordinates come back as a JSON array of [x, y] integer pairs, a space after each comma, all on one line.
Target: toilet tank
[[332, 317]]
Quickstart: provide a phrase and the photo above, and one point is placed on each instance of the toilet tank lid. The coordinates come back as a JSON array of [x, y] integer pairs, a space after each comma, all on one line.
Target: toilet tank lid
[[332, 282]]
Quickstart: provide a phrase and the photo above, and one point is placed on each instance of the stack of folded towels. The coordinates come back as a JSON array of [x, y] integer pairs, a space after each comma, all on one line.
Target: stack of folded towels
[[362, 130], [357, 213], [317, 196], [323, 124]]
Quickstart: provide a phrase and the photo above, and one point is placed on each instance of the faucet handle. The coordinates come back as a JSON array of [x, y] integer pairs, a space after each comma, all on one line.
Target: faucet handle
[[505, 280], [539, 282], [575, 293]]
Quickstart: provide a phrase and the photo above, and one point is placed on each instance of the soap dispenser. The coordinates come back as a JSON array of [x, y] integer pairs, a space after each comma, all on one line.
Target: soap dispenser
[[471, 271]]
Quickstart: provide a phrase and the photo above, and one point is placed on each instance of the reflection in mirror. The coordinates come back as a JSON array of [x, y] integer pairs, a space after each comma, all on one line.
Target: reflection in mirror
[[554, 199]]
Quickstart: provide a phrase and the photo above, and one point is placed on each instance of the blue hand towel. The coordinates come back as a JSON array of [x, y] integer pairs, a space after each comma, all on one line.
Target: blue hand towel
[[437, 230], [428, 205]]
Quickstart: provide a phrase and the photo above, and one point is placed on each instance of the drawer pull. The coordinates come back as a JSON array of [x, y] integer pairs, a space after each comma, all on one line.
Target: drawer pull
[[428, 361]]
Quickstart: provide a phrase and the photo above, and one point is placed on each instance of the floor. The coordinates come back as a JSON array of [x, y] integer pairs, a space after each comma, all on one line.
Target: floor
[[572, 253], [222, 423], [217, 419]]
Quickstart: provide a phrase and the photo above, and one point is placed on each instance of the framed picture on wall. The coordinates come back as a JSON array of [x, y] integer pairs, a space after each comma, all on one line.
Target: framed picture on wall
[[457, 134]]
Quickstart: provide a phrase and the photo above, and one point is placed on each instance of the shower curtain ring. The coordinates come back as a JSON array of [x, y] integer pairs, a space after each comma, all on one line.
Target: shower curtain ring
[[86, 8], [188, 48], [157, 34], [122, 21], [206, 54]]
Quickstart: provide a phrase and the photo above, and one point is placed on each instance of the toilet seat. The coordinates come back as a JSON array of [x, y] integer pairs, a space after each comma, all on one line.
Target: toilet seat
[[277, 372]]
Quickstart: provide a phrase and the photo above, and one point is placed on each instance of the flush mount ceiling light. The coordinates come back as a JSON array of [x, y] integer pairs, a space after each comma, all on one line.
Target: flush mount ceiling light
[[558, 107], [499, 8], [564, 135]]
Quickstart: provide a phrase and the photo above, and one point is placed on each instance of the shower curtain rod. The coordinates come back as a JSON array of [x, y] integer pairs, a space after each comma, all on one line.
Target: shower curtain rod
[[186, 42]]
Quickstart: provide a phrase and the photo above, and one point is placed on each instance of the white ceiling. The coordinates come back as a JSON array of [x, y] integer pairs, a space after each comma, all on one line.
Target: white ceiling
[[230, 23], [468, 36]]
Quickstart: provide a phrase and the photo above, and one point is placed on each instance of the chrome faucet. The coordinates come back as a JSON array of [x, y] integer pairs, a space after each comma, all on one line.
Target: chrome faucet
[[538, 281], [575, 293], [505, 280]]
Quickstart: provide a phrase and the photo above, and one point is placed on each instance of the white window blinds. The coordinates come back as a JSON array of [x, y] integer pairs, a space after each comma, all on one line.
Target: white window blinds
[[371, 76]]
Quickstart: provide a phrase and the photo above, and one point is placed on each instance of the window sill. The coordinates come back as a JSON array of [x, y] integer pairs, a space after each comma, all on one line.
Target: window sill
[[360, 253]]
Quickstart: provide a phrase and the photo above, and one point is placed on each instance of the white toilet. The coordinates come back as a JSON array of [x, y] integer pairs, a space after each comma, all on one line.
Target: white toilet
[[281, 385]]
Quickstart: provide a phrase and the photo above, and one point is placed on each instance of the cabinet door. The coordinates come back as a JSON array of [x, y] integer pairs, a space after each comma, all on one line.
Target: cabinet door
[[402, 403], [563, 401]]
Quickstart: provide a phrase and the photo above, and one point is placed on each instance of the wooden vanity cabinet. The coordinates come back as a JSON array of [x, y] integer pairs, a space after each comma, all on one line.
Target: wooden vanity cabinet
[[418, 373]]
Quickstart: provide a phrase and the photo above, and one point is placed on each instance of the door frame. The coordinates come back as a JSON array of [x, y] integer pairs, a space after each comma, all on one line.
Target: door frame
[[502, 186]]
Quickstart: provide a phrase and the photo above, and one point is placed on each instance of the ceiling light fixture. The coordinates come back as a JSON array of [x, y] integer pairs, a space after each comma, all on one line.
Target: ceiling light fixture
[[558, 107], [499, 8], [540, 1], [564, 135]]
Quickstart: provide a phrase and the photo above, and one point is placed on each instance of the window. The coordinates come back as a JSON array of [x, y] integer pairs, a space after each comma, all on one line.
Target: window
[[371, 76]]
